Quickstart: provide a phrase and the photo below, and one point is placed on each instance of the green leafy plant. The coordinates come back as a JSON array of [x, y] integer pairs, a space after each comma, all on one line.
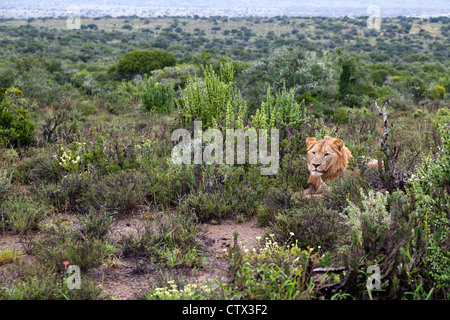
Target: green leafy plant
[[157, 97], [272, 272], [279, 112], [216, 101], [373, 213], [431, 190], [311, 223], [140, 62], [15, 125]]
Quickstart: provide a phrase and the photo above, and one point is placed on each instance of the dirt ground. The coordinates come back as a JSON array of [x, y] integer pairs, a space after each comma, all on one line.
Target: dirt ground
[[128, 278]]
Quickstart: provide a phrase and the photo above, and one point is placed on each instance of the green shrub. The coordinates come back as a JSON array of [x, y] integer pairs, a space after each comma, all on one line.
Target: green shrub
[[415, 86], [157, 97], [67, 245], [71, 194], [279, 112], [420, 113], [96, 224], [140, 62], [177, 75], [40, 168], [206, 206], [340, 115], [373, 214], [121, 192], [15, 127], [352, 77], [437, 92], [21, 214], [42, 283], [215, 101], [272, 272], [431, 190], [172, 241], [168, 183], [379, 76], [312, 225], [5, 183], [346, 188], [442, 116]]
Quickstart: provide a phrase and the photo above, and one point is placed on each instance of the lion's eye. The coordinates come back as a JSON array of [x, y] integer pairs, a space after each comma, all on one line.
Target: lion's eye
[[313, 152], [326, 154]]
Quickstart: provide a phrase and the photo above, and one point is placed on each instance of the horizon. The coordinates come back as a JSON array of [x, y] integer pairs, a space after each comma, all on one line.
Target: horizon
[[233, 8]]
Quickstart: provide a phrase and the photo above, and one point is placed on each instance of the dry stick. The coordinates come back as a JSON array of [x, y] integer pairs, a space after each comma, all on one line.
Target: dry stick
[[387, 128], [395, 175]]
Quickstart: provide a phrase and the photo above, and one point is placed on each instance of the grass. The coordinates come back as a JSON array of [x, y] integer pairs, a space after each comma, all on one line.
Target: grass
[[8, 255]]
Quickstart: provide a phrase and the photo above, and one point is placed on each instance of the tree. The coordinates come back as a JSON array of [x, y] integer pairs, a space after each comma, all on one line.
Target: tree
[[141, 62], [301, 70], [416, 86], [379, 76], [352, 78]]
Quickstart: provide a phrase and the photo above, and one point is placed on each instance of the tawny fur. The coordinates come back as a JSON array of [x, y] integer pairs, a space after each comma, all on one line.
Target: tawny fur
[[330, 155]]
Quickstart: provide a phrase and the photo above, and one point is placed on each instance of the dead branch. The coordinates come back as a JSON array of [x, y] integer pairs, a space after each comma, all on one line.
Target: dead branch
[[396, 176], [387, 128]]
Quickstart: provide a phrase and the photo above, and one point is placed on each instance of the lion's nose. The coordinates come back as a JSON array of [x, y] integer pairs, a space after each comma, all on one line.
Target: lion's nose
[[315, 165]]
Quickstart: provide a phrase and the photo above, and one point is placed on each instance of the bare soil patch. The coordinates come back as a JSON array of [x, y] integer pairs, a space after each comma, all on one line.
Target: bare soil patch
[[128, 278]]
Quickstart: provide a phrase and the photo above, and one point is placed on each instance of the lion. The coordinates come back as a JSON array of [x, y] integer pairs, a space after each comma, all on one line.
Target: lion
[[327, 159]]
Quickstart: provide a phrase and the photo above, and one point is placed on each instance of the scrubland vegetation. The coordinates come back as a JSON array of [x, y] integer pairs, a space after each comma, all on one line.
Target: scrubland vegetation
[[86, 118]]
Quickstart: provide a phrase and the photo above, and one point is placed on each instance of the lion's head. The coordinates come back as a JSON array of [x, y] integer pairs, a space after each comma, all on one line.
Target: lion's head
[[327, 159]]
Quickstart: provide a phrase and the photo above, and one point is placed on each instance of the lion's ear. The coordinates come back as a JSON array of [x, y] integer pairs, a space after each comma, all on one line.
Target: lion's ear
[[310, 142], [338, 143]]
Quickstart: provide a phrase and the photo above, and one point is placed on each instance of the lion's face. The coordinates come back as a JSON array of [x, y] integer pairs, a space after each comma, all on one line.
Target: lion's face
[[324, 155]]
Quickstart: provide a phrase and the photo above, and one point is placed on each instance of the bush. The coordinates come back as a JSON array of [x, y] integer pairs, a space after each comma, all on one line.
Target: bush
[[67, 245], [38, 169], [373, 214], [216, 101], [95, 224], [157, 97], [206, 206], [273, 272], [420, 113], [431, 190], [5, 183], [437, 92], [42, 283], [312, 225], [299, 69], [352, 77], [340, 115], [280, 112], [71, 194], [346, 188], [415, 86], [140, 62], [379, 76], [21, 214], [15, 127], [442, 116], [120, 192], [172, 241]]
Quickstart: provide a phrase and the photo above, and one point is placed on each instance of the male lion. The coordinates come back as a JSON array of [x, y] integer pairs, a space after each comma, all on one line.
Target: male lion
[[327, 159]]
